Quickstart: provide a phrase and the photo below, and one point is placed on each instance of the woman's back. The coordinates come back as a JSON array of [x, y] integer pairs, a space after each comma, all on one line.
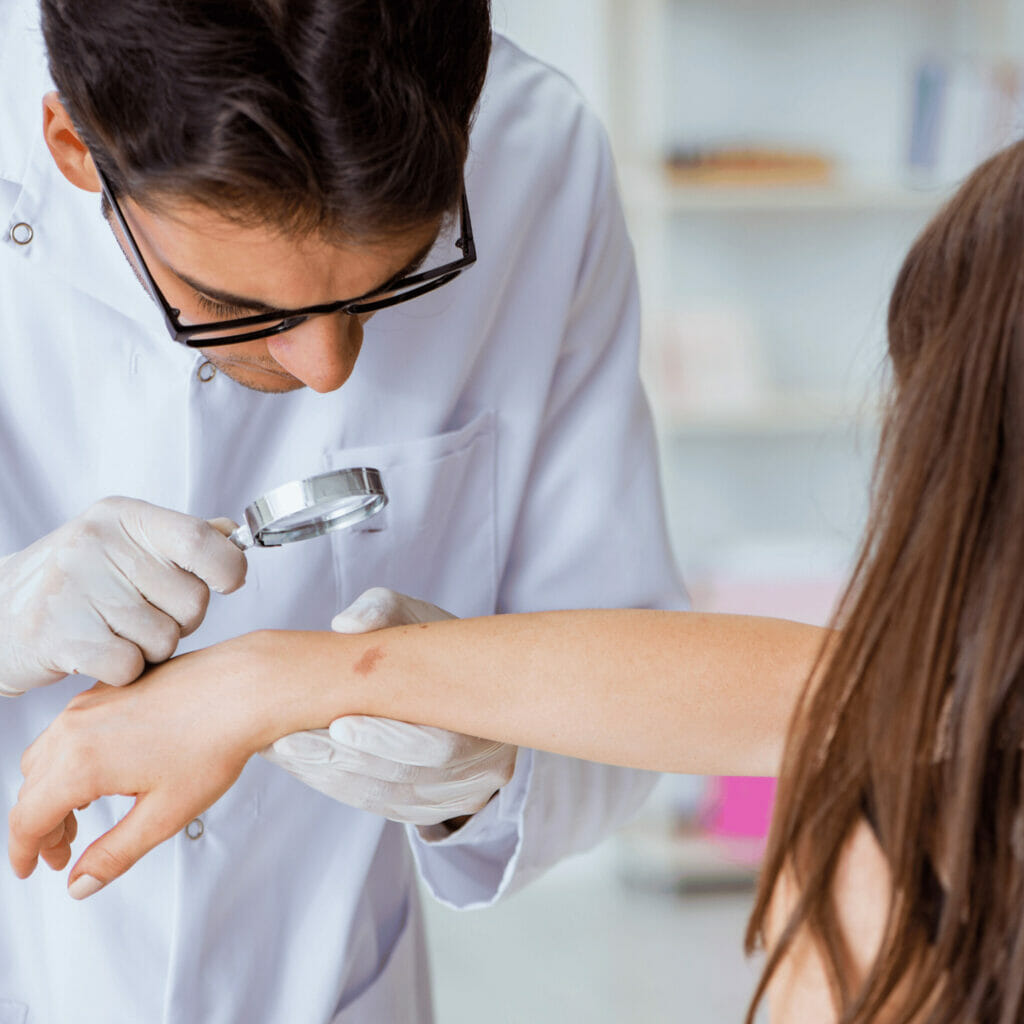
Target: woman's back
[[862, 889]]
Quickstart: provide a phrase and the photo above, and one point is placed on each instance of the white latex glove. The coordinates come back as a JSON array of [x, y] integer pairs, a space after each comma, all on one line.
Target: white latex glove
[[110, 590], [409, 773]]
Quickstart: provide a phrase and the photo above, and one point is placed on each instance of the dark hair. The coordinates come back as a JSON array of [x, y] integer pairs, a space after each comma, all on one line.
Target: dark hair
[[919, 711], [348, 116]]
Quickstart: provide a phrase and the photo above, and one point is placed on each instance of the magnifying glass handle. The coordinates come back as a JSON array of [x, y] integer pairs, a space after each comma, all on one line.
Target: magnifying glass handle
[[240, 536]]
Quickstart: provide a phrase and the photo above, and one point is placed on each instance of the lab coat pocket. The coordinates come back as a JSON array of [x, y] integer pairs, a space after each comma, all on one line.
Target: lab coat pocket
[[12, 1012], [391, 997], [437, 538]]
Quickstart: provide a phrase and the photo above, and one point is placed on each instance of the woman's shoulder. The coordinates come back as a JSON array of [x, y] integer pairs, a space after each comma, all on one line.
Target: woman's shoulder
[[862, 891]]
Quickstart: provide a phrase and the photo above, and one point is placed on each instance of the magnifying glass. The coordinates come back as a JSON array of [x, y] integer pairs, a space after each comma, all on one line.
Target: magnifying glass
[[310, 508]]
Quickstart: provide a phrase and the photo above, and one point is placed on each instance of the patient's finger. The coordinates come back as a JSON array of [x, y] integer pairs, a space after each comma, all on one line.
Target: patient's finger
[[56, 848], [148, 823], [39, 812]]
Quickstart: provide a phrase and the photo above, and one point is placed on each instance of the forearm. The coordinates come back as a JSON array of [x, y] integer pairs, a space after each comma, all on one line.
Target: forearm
[[662, 690], [667, 691]]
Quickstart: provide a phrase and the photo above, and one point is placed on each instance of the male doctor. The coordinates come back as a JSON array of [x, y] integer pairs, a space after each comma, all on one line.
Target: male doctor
[[238, 249]]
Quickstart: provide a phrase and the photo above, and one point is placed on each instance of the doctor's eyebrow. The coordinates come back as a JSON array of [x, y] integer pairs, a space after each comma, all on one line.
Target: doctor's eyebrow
[[246, 304]]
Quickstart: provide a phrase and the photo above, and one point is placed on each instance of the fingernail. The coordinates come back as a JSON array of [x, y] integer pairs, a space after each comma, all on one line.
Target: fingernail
[[84, 886]]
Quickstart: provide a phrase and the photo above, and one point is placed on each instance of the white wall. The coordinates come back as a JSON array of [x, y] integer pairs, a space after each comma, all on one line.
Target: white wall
[[570, 34]]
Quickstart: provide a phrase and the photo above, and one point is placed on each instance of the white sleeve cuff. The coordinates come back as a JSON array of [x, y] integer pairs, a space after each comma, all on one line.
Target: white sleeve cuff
[[471, 867]]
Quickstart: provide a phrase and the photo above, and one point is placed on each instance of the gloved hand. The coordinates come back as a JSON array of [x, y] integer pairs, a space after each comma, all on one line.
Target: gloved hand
[[409, 773], [108, 591]]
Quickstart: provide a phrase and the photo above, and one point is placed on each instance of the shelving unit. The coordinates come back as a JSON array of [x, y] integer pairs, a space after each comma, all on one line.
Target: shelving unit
[[647, 193], [778, 416], [792, 279]]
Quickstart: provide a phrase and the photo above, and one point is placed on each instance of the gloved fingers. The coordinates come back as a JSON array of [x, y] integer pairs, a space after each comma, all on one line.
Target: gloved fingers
[[325, 766], [313, 745], [347, 787], [22, 671], [153, 632], [88, 648], [384, 769], [432, 806], [463, 791], [450, 753], [110, 589], [111, 659], [177, 593], [69, 634], [188, 542], [409, 803], [321, 754], [379, 608], [405, 742], [499, 767]]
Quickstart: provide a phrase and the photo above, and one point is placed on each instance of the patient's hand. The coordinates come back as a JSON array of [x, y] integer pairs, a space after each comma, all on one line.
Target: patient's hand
[[176, 740]]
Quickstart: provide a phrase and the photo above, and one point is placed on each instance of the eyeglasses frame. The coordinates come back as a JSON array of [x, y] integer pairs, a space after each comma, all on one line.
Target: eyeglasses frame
[[283, 320]]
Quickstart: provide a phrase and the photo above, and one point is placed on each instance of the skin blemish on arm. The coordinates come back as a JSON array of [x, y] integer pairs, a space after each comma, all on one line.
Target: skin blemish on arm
[[368, 662]]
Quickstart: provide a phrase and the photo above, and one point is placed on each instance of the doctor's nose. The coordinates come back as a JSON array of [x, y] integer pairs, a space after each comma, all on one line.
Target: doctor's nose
[[320, 352]]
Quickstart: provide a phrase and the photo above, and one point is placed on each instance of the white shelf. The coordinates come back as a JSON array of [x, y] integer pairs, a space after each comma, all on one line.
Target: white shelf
[[775, 416], [651, 192]]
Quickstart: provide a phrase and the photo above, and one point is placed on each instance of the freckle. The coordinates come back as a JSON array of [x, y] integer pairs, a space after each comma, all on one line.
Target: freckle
[[424, 625], [368, 662]]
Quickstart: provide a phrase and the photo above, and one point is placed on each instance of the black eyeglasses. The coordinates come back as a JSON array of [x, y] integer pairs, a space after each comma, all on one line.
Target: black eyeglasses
[[264, 325]]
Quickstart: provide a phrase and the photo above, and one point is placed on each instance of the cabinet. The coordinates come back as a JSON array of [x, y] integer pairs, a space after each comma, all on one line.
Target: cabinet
[[765, 303]]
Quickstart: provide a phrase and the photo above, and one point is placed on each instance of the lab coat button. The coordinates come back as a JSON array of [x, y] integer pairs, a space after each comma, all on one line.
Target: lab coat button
[[22, 233], [195, 828], [206, 372]]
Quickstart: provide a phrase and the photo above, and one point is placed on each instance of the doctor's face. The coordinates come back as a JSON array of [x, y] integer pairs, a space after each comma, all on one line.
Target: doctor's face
[[211, 268]]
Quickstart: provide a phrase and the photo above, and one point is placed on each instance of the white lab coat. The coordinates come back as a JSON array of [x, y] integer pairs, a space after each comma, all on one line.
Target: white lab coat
[[505, 414]]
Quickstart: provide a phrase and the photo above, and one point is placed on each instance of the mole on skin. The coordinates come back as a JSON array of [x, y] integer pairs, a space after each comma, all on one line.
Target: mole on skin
[[366, 664]]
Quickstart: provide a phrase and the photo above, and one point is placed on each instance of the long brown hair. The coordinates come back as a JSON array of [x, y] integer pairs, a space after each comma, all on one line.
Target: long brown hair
[[918, 713]]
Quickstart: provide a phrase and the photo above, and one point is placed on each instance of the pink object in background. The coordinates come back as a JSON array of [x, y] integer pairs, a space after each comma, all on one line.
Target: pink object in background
[[736, 813], [790, 582], [739, 807]]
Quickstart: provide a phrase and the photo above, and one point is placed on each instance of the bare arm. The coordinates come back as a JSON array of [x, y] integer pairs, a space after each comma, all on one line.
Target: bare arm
[[662, 690], [668, 691]]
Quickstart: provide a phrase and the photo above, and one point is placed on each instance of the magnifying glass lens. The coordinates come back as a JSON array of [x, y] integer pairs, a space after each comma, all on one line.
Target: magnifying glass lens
[[322, 518], [312, 507]]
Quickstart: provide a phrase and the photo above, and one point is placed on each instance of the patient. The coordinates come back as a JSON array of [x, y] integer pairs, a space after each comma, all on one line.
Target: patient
[[894, 880]]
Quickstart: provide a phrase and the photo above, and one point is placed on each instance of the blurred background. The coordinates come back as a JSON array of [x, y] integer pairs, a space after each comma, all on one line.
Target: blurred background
[[776, 159]]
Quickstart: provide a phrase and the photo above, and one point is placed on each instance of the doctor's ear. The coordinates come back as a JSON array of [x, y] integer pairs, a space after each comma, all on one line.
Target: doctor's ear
[[69, 152]]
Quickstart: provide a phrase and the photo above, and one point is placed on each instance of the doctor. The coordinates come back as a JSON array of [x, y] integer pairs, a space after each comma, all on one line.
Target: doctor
[[267, 156]]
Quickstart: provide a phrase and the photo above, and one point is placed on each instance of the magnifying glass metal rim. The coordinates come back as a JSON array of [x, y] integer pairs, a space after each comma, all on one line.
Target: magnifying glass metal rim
[[359, 489]]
